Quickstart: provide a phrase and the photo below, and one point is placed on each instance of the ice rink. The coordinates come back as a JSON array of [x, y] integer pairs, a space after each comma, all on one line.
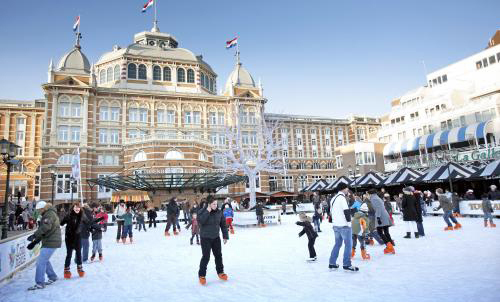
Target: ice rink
[[268, 264]]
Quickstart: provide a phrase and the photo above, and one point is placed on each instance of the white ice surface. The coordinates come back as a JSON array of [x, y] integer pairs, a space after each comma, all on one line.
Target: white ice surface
[[269, 264]]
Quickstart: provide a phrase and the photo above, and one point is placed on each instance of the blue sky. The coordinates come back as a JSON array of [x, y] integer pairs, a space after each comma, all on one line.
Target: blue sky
[[326, 58]]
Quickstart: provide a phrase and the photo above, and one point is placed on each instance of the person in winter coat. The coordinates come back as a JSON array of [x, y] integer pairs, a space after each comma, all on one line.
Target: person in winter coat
[[388, 206], [494, 194], [139, 218], [49, 233], [341, 219], [372, 228], [127, 226], [177, 216], [152, 217], [307, 229], [259, 211], [172, 212], [409, 208], [420, 212], [195, 228], [103, 216], [360, 231], [211, 220], [75, 221], [85, 233], [469, 195], [96, 229], [487, 210], [447, 206], [283, 207], [26, 218], [382, 221], [228, 215], [120, 210], [186, 207]]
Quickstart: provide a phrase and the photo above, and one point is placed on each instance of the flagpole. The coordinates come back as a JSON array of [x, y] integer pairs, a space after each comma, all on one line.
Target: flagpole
[[155, 23], [80, 176], [237, 52]]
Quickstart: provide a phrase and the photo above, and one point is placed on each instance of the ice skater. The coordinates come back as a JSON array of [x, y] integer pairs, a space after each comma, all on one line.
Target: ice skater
[[195, 228], [308, 229], [49, 233], [74, 222], [382, 221], [211, 220], [96, 230], [317, 219], [360, 231], [127, 226], [228, 215], [447, 206], [172, 212], [487, 210], [409, 209]]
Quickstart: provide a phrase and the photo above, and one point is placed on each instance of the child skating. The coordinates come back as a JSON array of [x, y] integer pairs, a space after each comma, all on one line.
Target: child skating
[[228, 215], [487, 210], [195, 229], [127, 226], [360, 231], [308, 229]]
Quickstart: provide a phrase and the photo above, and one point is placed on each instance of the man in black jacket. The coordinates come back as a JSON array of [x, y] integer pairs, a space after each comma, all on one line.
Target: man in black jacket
[[172, 212], [211, 219]]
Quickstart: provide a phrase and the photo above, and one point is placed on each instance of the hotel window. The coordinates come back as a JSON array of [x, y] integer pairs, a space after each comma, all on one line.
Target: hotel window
[[132, 71], [104, 113], [63, 186], [160, 115], [485, 62], [313, 141], [445, 78], [116, 72], [114, 136], [109, 74], [327, 142], [167, 74], [479, 65], [76, 109], [492, 60], [103, 136], [190, 76], [143, 115], [313, 131], [315, 153], [244, 138], [75, 134], [156, 73], [213, 138], [327, 131], [243, 117], [285, 153], [139, 156], [340, 136], [62, 133], [298, 131], [221, 118], [339, 161], [212, 118], [361, 134], [299, 141], [328, 153], [300, 153], [188, 118], [142, 72], [251, 118], [316, 166], [197, 117], [63, 109], [170, 116], [133, 115], [107, 160], [253, 137], [181, 75], [102, 76], [115, 113], [132, 133], [329, 165], [211, 84]]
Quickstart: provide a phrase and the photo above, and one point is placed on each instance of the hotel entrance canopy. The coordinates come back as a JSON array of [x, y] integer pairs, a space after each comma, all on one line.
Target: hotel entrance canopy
[[204, 182]]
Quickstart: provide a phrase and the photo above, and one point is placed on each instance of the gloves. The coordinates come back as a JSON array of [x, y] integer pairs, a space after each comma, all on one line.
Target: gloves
[[379, 221], [31, 237], [32, 244]]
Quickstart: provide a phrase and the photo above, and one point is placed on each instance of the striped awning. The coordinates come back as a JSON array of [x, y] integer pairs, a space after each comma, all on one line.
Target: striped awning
[[337, 181], [446, 171], [445, 137], [369, 179], [403, 176], [490, 170], [317, 186]]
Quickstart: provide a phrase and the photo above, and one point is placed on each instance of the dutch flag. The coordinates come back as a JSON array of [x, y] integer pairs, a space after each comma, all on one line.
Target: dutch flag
[[231, 43], [77, 23], [150, 2]]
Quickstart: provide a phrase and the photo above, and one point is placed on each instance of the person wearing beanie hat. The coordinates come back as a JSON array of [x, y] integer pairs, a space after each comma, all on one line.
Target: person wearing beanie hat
[[447, 206], [360, 231], [341, 219], [494, 194], [488, 211], [383, 221], [308, 229], [49, 233], [409, 209], [469, 195]]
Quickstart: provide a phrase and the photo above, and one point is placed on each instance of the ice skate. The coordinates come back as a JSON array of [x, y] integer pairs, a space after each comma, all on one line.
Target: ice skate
[[333, 266], [353, 253], [36, 286], [457, 226], [351, 268], [203, 280], [50, 281], [365, 255], [100, 257], [222, 276], [486, 224], [389, 249], [67, 273], [131, 240], [416, 235], [92, 258], [313, 259], [493, 225], [450, 228], [80, 270], [175, 233], [124, 240], [167, 233]]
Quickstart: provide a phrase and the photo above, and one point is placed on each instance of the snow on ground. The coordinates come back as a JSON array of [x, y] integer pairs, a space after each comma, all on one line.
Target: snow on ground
[[269, 264]]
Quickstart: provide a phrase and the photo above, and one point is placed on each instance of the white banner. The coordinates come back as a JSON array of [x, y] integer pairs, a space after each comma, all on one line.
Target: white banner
[[468, 207], [14, 255], [250, 218], [305, 207]]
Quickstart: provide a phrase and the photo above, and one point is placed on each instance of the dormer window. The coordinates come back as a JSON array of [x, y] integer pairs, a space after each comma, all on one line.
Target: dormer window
[[132, 71], [181, 75], [190, 76], [142, 72]]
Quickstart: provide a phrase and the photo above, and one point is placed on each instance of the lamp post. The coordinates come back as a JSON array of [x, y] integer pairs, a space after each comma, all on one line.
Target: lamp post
[[8, 151], [53, 175]]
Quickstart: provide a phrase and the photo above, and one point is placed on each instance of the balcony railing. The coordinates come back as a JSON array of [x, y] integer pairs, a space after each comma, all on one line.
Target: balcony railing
[[176, 137]]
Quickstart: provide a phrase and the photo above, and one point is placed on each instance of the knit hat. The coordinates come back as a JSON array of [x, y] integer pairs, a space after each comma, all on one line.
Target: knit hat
[[470, 191], [407, 190], [341, 186], [302, 216], [364, 208], [40, 205], [439, 191]]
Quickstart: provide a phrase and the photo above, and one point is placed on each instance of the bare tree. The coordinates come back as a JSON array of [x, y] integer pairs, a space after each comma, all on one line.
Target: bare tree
[[252, 152]]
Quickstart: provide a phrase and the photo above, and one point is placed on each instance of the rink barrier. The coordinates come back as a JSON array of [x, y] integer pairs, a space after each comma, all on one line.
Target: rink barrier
[[472, 208], [250, 218], [14, 256]]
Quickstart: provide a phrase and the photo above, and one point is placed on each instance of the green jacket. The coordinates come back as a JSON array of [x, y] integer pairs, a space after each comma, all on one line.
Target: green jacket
[[127, 218], [356, 223], [49, 231]]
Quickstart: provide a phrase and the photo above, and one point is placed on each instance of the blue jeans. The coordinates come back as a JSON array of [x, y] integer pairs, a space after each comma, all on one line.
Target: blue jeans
[[43, 266], [447, 216], [85, 249], [97, 246], [342, 234], [317, 223], [488, 216], [420, 228], [127, 230]]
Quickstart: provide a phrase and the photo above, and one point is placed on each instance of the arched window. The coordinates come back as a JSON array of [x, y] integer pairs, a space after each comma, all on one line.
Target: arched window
[[142, 72], [117, 73], [167, 75], [202, 78], [211, 84], [174, 154], [139, 156], [65, 159], [190, 76], [156, 73], [181, 76], [109, 74], [102, 76], [132, 71], [202, 156]]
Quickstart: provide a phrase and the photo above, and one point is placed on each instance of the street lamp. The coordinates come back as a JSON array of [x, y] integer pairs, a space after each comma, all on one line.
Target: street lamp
[[8, 151], [442, 156], [354, 174], [53, 175]]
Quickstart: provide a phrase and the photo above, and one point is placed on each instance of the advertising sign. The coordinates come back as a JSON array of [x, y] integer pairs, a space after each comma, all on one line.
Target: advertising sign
[[14, 255]]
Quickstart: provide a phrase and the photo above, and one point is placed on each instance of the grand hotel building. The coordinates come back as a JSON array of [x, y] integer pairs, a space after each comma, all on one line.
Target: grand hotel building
[[154, 105]]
